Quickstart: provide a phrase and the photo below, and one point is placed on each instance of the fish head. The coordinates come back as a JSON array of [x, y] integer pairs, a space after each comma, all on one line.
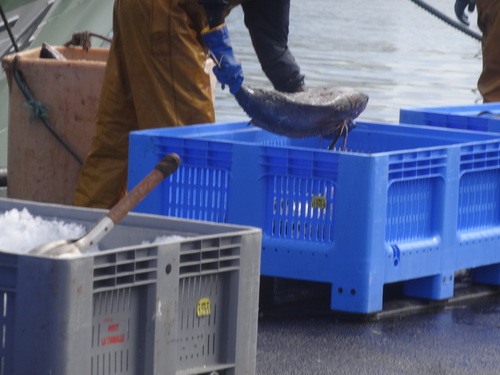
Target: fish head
[[358, 103]]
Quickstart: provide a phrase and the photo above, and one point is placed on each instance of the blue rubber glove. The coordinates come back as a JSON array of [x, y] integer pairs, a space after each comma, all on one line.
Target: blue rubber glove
[[228, 69], [460, 6]]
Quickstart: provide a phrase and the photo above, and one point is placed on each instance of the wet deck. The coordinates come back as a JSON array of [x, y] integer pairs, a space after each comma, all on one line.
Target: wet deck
[[300, 335]]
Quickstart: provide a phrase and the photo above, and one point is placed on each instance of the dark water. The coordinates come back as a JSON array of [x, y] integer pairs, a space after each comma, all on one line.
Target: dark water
[[394, 51]]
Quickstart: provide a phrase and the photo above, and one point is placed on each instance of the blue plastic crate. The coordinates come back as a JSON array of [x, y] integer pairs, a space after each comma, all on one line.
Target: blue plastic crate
[[404, 203], [480, 117]]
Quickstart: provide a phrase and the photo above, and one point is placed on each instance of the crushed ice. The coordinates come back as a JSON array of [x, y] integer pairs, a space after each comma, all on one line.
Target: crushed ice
[[164, 239], [20, 232]]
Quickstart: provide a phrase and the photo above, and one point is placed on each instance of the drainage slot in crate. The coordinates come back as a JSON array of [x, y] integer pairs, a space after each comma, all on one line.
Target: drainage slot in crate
[[190, 257], [187, 269]]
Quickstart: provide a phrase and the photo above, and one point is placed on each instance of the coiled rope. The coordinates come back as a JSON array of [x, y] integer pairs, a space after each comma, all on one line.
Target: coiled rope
[[83, 39], [448, 20], [38, 109]]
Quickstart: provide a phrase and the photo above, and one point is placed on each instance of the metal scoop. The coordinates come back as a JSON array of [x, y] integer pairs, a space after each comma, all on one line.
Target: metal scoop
[[163, 169]]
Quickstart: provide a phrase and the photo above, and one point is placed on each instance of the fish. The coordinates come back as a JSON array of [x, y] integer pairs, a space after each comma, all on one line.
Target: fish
[[316, 112], [49, 52]]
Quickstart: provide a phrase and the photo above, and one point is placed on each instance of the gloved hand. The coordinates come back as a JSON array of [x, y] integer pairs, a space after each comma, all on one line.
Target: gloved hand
[[460, 6], [227, 69]]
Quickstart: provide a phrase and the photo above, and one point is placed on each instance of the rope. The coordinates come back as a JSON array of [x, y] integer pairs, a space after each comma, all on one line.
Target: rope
[[9, 31], [448, 20], [38, 109], [83, 39], [3, 177]]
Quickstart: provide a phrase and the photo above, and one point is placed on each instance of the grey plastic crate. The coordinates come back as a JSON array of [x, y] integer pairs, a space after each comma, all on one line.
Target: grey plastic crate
[[188, 307]]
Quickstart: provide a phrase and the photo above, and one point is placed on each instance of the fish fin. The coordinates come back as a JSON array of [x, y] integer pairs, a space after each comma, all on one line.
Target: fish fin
[[337, 133], [343, 130]]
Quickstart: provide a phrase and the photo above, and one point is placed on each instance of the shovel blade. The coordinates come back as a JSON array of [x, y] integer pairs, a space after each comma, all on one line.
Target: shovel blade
[[55, 248]]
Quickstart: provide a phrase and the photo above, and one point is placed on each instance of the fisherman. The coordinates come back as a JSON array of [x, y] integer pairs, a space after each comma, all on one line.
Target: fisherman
[[155, 76], [488, 21]]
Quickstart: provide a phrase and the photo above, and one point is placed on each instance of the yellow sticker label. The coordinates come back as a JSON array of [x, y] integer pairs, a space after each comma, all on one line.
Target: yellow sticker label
[[318, 202], [203, 308]]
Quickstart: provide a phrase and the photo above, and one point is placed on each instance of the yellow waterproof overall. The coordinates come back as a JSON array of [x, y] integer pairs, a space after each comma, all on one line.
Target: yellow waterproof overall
[[489, 22], [154, 78]]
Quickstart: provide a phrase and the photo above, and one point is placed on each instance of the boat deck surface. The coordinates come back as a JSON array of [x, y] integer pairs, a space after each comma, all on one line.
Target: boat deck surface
[[301, 335]]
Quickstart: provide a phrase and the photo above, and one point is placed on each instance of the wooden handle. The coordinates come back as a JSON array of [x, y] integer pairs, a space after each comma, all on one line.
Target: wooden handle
[[163, 169]]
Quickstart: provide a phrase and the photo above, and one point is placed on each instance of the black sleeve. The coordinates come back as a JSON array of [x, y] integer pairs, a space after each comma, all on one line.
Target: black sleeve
[[215, 11], [267, 21]]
